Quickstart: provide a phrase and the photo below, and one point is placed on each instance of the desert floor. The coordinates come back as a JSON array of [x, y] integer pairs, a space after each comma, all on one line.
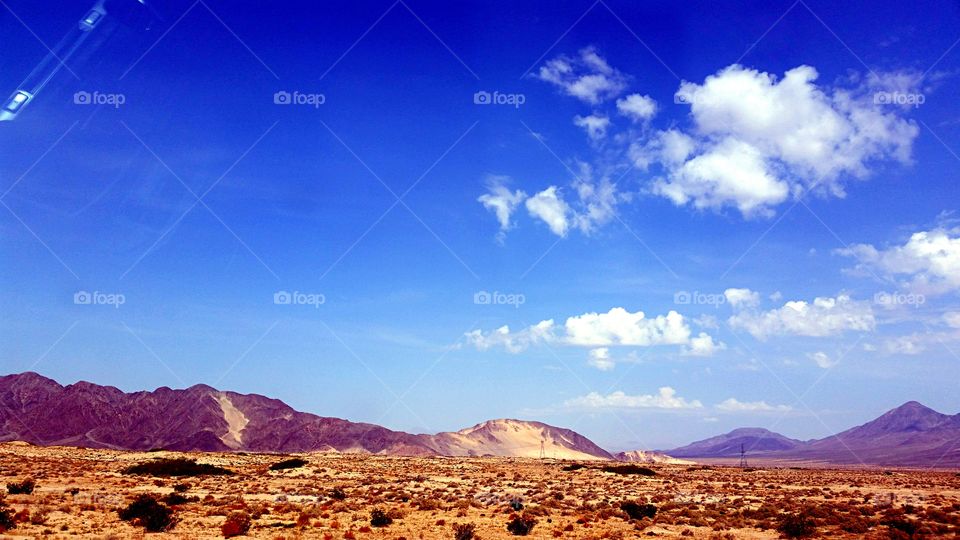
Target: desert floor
[[79, 493]]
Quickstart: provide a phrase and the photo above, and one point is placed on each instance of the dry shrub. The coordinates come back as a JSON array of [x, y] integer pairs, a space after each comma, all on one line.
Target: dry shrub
[[21, 488], [237, 523], [463, 531], [147, 512]]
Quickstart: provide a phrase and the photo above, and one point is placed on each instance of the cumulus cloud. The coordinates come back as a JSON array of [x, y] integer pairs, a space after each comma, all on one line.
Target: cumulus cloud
[[600, 359], [501, 201], [703, 345], [733, 405], [514, 342], [617, 327], [595, 125], [637, 107], [822, 359], [952, 319], [665, 398], [757, 139], [587, 76], [822, 317], [551, 209], [905, 345], [741, 297], [621, 327], [929, 260]]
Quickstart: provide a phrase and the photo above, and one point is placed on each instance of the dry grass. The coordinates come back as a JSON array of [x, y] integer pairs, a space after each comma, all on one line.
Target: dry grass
[[341, 496]]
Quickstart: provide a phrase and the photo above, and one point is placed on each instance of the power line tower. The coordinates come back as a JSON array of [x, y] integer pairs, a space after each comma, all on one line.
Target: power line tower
[[743, 457], [542, 450]]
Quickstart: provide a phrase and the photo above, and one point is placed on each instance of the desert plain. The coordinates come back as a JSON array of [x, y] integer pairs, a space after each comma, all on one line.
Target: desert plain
[[76, 492]]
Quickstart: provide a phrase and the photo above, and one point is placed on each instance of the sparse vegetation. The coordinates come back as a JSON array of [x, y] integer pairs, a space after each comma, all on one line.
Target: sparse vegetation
[[638, 511], [25, 487], [147, 512], [292, 463], [463, 531], [379, 518], [237, 523], [176, 467], [799, 525], [521, 525], [629, 469]]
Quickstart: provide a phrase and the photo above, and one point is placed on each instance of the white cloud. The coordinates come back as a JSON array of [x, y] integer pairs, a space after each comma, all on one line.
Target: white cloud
[[742, 297], [822, 359], [930, 260], [501, 201], [952, 319], [822, 317], [665, 398], [620, 327], [637, 107], [731, 173], [513, 342], [703, 345], [600, 359], [553, 210], [595, 125], [587, 77], [617, 327], [906, 345], [763, 139], [733, 405]]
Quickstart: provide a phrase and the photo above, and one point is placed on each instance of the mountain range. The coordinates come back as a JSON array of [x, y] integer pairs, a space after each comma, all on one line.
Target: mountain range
[[909, 435], [41, 411]]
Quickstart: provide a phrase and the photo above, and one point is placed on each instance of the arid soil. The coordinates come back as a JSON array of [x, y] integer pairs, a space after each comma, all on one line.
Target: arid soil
[[80, 492]]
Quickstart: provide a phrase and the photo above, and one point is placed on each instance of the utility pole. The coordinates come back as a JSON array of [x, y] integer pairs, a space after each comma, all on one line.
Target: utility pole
[[743, 457]]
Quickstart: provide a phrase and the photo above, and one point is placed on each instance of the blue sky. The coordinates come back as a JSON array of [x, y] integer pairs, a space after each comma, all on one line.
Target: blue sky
[[657, 195]]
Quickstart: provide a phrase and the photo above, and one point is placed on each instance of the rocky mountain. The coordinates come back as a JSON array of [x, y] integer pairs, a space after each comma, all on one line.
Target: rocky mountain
[[752, 440], [909, 435], [41, 411]]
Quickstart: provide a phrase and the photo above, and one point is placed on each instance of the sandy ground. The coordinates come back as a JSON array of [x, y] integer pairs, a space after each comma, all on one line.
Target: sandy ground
[[80, 491]]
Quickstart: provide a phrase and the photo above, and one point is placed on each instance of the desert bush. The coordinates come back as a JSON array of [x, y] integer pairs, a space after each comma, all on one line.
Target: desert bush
[[337, 494], [21, 488], [181, 488], [174, 499], [574, 467], [638, 511], [379, 518], [799, 525], [521, 525], [463, 531], [147, 512], [7, 520], [292, 463], [237, 523], [176, 467], [629, 469]]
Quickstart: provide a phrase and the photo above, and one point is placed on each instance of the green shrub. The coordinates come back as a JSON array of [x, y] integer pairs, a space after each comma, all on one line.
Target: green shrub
[[21, 488], [379, 518], [521, 525], [176, 467], [292, 463], [638, 511], [147, 512]]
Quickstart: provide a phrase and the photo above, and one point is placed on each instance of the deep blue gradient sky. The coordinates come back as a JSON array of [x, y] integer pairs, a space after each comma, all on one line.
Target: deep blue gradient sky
[[301, 198]]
